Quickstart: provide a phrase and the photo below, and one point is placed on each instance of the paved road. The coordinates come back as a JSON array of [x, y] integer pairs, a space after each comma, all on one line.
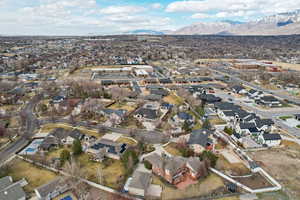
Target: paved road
[[273, 92], [31, 123], [272, 113], [153, 137]]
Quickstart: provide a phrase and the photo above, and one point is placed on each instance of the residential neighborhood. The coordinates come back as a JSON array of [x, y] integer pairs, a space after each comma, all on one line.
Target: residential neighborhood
[[133, 127]]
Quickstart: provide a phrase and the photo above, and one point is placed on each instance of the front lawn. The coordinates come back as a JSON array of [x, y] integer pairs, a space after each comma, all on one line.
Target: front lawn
[[124, 106], [173, 99], [285, 117], [127, 141], [172, 149], [34, 175]]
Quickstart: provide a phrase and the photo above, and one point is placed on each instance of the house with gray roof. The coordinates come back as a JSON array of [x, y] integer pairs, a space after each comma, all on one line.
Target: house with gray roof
[[10, 190], [51, 189], [140, 183], [201, 140]]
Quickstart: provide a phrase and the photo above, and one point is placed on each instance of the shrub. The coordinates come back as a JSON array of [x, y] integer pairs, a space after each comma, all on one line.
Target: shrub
[[147, 165], [77, 148], [208, 155], [228, 130], [64, 155]]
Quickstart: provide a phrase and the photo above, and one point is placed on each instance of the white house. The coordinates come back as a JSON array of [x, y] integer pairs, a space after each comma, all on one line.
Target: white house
[[271, 140]]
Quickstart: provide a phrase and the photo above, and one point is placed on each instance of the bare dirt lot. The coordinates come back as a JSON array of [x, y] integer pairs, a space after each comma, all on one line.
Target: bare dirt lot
[[256, 181], [284, 165]]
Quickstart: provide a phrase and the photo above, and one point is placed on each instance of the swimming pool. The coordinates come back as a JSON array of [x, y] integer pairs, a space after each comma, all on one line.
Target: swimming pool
[[67, 198], [30, 150]]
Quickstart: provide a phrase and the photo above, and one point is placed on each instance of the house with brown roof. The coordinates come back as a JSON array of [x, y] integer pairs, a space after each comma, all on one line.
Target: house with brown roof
[[176, 169]]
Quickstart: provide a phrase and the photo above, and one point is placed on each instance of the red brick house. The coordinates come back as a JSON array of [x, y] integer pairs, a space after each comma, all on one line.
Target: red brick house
[[176, 169]]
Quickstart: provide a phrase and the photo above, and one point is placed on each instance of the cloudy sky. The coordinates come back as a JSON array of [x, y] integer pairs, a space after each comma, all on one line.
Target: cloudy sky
[[81, 17]]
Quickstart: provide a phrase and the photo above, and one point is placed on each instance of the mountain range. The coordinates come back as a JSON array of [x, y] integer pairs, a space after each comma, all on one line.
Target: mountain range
[[287, 23], [280, 24]]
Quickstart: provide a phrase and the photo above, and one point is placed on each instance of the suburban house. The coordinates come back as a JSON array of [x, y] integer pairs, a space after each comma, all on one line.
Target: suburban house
[[10, 190], [176, 169], [73, 135], [247, 128], [264, 124], [270, 140], [238, 89], [269, 100], [255, 94], [116, 116], [60, 136], [51, 190], [112, 149], [201, 140], [182, 117], [149, 112], [140, 183]]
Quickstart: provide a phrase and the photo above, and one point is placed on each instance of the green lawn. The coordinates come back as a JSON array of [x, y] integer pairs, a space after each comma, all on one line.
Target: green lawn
[[285, 117]]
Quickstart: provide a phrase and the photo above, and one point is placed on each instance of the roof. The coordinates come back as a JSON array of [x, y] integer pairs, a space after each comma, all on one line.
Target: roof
[[140, 180], [173, 164], [297, 115], [247, 125], [262, 122], [165, 80], [238, 88], [155, 160], [5, 182], [272, 136], [210, 98], [226, 106], [147, 113], [195, 163], [14, 192], [60, 133], [201, 137], [49, 187], [119, 112], [269, 98], [184, 116], [10, 190], [76, 134]]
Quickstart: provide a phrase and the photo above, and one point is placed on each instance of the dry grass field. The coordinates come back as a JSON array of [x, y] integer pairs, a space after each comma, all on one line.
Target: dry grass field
[[284, 165], [35, 176]]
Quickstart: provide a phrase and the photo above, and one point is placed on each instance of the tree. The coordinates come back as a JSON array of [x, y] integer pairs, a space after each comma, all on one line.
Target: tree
[[208, 155], [206, 124], [64, 156], [186, 126], [200, 110], [77, 148]]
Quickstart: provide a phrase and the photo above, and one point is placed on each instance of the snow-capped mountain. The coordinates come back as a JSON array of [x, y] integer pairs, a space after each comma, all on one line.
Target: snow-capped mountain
[[279, 24], [145, 32]]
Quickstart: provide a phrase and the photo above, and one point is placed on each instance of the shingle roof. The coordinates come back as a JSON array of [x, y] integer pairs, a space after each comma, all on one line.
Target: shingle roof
[[272, 136], [201, 137], [247, 125], [10, 190], [140, 180], [147, 113]]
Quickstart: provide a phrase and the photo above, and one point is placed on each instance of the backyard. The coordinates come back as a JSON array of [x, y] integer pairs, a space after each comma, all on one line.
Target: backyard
[[204, 187], [35, 176]]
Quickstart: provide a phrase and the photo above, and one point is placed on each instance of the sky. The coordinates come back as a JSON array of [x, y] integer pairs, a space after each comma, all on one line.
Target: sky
[[97, 17]]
